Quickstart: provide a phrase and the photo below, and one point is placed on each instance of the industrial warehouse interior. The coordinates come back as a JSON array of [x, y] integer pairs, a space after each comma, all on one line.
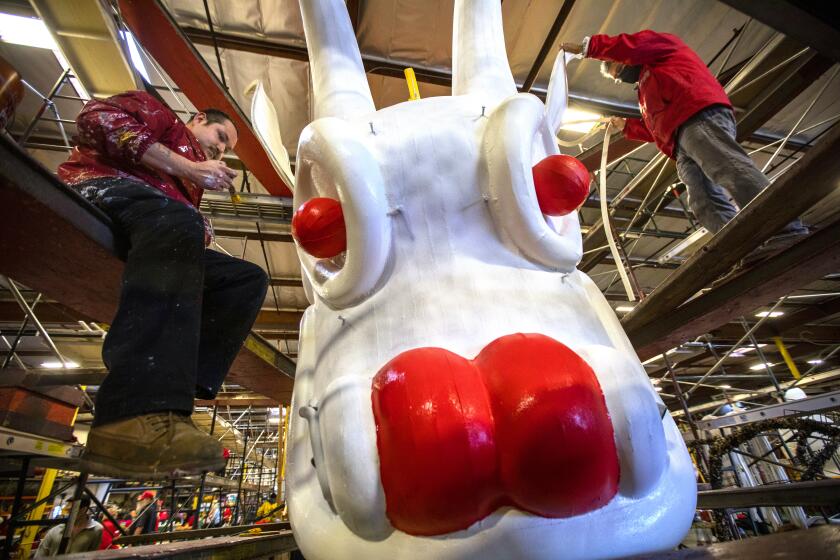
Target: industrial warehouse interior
[[450, 279]]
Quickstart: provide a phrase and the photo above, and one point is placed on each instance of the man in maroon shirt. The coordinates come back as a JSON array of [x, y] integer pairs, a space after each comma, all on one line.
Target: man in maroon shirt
[[184, 310], [686, 112]]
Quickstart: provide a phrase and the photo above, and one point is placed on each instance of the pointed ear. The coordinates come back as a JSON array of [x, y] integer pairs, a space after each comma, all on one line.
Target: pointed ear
[[557, 98], [264, 121]]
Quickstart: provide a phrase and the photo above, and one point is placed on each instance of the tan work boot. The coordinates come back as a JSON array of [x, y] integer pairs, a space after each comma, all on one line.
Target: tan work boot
[[152, 446]]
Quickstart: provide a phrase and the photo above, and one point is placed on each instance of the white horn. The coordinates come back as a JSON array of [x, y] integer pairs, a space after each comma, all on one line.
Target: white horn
[[339, 84], [479, 60]]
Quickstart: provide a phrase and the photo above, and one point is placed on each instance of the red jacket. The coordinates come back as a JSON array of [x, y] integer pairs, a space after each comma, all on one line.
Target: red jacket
[[114, 134], [673, 86]]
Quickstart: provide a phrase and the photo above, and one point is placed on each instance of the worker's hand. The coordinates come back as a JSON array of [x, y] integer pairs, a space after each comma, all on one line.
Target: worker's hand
[[572, 48], [618, 123], [212, 175]]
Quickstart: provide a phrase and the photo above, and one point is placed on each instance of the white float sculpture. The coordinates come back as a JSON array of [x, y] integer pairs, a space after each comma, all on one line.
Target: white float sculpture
[[462, 391]]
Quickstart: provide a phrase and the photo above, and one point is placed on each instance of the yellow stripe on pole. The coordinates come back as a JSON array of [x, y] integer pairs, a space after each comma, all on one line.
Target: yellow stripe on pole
[[411, 81], [786, 357], [38, 513]]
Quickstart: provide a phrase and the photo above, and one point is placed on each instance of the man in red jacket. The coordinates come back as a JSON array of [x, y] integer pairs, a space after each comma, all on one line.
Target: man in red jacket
[[184, 310], [686, 112]]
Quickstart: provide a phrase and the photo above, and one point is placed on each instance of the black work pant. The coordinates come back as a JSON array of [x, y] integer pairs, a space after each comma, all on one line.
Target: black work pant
[[184, 310]]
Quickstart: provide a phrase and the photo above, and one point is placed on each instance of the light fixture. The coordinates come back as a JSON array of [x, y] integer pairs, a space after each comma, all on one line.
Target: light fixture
[[58, 365], [756, 367], [579, 120], [655, 381], [770, 314], [725, 386], [26, 31], [624, 308], [658, 389], [696, 237], [815, 362]]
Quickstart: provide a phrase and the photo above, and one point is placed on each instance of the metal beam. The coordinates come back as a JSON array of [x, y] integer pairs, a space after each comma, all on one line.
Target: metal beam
[[654, 328], [218, 548], [768, 213], [818, 403], [811, 493], [547, 44], [807, 22]]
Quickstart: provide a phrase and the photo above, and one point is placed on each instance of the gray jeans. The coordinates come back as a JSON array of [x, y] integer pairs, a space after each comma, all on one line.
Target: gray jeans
[[711, 163]]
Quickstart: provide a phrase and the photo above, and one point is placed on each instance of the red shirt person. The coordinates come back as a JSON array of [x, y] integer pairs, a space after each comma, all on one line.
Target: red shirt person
[[687, 113], [184, 309]]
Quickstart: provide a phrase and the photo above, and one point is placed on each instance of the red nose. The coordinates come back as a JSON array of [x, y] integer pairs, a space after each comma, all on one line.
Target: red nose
[[523, 424]]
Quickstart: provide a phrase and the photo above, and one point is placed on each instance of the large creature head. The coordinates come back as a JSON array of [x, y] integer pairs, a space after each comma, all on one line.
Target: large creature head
[[462, 391]]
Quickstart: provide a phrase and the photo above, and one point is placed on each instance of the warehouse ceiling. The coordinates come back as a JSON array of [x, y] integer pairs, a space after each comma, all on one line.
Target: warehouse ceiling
[[418, 34]]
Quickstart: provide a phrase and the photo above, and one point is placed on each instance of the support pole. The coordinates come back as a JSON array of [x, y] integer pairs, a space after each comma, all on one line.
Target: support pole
[[10, 530], [37, 513], [74, 513], [787, 358]]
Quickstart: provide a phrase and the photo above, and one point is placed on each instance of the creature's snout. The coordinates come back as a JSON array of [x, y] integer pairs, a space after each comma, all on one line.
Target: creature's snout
[[524, 424]]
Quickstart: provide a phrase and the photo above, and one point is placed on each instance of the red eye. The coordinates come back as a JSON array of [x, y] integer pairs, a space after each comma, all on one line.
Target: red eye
[[562, 184], [318, 227]]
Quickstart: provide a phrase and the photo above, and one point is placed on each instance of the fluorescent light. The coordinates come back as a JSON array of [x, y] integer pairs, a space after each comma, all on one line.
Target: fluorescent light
[[658, 389], [677, 250], [29, 32], [725, 386], [58, 365], [655, 381], [134, 54], [770, 314], [624, 308], [579, 120], [815, 362], [756, 367]]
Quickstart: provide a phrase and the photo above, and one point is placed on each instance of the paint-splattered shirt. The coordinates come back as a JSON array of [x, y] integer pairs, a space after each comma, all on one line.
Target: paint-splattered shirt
[[114, 134]]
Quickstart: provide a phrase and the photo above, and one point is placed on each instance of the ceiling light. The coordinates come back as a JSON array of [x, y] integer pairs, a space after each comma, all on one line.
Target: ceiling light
[[578, 120], [655, 381], [756, 367], [770, 314], [624, 308], [815, 362], [725, 386], [658, 388], [701, 234], [29, 32], [58, 365]]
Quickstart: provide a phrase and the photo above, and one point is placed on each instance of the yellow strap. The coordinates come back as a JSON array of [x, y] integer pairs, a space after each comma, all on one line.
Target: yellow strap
[[411, 81]]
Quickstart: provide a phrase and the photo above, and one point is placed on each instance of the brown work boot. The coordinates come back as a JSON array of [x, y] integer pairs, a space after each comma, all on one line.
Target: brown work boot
[[155, 445]]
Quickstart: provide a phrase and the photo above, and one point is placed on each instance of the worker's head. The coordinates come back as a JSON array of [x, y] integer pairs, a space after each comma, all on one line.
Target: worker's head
[[272, 496], [619, 72], [145, 498], [215, 131], [84, 506]]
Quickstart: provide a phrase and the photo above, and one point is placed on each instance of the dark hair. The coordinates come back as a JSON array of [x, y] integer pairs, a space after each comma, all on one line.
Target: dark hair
[[215, 116]]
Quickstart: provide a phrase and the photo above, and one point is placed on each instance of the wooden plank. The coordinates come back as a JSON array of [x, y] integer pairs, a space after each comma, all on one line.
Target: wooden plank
[[219, 548], [160, 35], [806, 262], [768, 213], [55, 242]]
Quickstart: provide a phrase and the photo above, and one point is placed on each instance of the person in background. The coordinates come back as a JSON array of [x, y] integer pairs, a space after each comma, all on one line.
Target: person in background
[[184, 310], [687, 113], [268, 510], [85, 536], [147, 511], [110, 531]]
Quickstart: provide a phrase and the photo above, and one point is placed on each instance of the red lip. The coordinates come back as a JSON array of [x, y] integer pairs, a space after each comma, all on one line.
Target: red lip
[[524, 424]]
